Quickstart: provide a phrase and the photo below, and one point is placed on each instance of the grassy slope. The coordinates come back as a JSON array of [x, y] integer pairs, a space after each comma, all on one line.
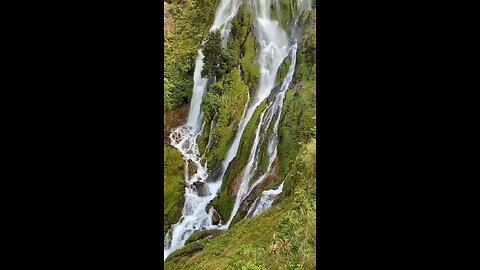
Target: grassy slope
[[279, 238], [283, 237]]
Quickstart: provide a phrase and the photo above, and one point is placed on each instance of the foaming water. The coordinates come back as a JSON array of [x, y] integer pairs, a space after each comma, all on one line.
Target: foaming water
[[273, 48], [264, 201], [273, 110], [273, 44], [199, 85], [198, 193], [226, 10]]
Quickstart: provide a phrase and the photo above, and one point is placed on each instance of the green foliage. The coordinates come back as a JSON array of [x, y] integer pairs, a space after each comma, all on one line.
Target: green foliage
[[229, 106], [282, 237], [167, 100], [246, 143], [251, 71], [197, 235], [192, 20], [186, 250], [173, 186], [224, 202], [213, 62], [298, 122]]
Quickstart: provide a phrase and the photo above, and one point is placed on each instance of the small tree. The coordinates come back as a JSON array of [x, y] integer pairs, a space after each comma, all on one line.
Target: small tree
[[214, 58]]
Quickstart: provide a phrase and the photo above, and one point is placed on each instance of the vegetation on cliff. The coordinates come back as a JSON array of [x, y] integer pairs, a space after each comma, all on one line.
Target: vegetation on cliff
[[284, 236]]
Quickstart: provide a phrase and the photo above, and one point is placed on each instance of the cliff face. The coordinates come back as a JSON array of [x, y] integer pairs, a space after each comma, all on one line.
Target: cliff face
[[185, 24], [284, 236]]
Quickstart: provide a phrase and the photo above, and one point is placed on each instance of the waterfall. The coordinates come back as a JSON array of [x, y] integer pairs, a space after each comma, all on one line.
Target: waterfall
[[199, 85], [264, 201], [273, 43], [198, 193], [266, 34], [274, 109], [273, 48]]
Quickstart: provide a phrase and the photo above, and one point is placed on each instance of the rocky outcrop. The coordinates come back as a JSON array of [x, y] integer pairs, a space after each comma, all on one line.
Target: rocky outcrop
[[198, 235], [174, 118], [257, 190], [201, 188], [216, 218], [234, 184], [214, 174]]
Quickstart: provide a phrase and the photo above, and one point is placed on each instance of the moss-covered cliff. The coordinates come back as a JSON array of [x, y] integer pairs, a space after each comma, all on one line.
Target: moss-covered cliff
[[284, 236]]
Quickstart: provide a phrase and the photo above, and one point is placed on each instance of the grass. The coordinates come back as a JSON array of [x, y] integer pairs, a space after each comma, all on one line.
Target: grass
[[173, 186], [191, 20], [224, 202], [282, 237], [229, 107]]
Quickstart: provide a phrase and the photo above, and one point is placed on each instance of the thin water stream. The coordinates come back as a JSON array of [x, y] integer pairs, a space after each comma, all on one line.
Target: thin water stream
[[273, 48]]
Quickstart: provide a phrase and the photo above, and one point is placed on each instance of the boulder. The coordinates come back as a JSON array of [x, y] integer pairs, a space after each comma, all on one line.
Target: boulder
[[201, 188], [215, 218]]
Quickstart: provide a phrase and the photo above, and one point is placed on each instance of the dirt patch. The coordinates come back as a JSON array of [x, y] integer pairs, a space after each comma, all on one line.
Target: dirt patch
[[234, 184], [168, 25], [175, 117]]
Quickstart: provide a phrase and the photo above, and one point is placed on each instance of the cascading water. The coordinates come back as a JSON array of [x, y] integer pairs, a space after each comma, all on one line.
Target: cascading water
[[273, 43], [274, 109], [198, 193], [264, 201], [199, 85], [273, 49]]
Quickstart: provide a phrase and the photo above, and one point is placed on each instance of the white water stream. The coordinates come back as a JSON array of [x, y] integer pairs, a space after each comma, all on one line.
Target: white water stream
[[273, 48], [197, 192], [264, 201]]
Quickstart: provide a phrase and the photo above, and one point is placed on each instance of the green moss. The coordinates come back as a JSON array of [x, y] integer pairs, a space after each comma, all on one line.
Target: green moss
[[238, 217], [192, 20], [224, 203], [248, 64], [173, 186], [263, 158], [245, 144], [298, 120], [282, 237], [283, 70], [202, 140], [187, 250], [197, 235], [229, 105]]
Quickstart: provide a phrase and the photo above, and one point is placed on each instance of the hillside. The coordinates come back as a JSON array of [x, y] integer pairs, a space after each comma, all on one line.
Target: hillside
[[255, 134]]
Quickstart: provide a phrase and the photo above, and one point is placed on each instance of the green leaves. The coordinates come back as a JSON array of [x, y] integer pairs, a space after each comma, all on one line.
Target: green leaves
[[214, 58]]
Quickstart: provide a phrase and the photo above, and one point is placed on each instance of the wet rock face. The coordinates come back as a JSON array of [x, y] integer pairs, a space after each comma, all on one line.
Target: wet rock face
[[201, 188], [257, 190], [230, 166], [215, 218], [215, 174]]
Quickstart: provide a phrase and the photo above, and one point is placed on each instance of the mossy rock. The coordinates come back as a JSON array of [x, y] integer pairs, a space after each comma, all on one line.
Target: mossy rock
[[173, 186], [198, 235]]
